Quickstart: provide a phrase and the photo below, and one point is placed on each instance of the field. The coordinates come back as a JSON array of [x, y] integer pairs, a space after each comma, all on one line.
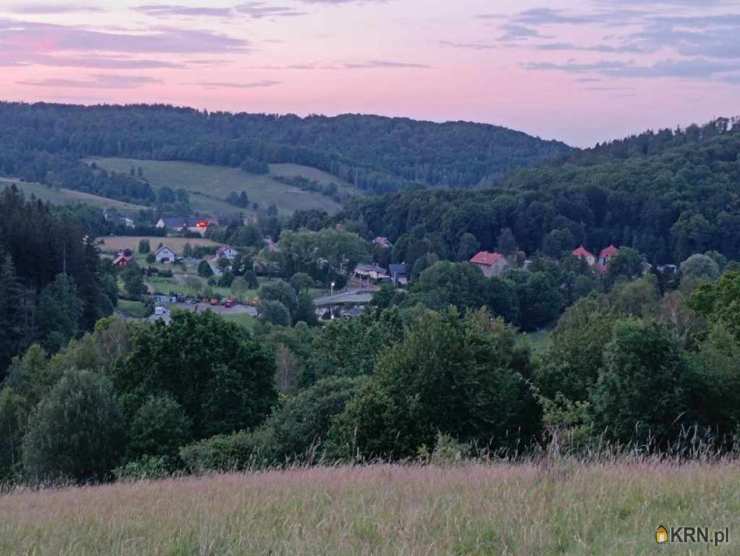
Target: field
[[113, 244], [67, 196], [210, 185], [525, 509]]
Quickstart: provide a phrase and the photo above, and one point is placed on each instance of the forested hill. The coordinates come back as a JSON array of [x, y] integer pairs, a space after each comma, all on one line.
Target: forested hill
[[666, 195], [375, 153]]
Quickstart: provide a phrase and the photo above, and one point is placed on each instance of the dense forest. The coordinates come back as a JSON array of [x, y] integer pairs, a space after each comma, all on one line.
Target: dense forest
[[52, 285], [44, 142], [668, 195]]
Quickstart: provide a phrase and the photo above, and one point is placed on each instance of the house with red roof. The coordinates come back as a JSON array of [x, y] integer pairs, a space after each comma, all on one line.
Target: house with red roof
[[606, 255], [491, 264], [585, 254]]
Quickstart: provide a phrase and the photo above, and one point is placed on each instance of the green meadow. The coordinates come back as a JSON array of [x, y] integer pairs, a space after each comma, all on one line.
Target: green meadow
[[210, 185]]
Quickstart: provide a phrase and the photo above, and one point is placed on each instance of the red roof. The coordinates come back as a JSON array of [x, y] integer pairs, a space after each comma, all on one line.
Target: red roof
[[582, 252], [608, 252], [486, 258]]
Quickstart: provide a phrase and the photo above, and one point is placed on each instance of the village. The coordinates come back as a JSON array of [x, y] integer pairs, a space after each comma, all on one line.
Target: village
[[183, 269]]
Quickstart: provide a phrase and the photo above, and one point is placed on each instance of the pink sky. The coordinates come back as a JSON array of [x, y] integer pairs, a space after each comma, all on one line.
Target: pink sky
[[581, 71]]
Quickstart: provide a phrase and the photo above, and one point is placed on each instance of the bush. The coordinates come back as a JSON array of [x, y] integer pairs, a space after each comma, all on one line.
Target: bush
[[144, 246], [222, 377], [301, 281], [275, 313], [145, 469], [204, 269], [76, 432], [238, 451], [159, 428], [461, 377]]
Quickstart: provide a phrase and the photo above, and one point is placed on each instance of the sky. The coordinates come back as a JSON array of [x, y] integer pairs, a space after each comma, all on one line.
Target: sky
[[581, 71]]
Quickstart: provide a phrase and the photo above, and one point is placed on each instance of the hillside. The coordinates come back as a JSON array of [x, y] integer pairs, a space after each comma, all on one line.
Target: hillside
[[374, 153], [468, 509], [209, 185], [668, 201], [61, 196]]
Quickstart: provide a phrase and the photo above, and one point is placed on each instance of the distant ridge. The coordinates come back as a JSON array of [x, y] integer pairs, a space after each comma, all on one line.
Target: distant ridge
[[375, 153]]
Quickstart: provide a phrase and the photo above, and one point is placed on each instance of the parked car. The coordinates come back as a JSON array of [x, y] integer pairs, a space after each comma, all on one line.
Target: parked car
[[160, 311], [214, 301], [229, 303]]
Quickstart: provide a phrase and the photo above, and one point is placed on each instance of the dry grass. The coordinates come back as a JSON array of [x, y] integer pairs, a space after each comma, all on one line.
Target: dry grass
[[113, 244], [382, 509]]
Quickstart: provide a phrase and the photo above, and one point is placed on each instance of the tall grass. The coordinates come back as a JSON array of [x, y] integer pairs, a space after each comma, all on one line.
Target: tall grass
[[550, 506]]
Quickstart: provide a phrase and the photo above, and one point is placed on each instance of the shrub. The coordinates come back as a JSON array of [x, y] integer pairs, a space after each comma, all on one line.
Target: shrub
[[76, 432], [145, 469], [204, 269], [238, 451], [159, 428], [275, 312]]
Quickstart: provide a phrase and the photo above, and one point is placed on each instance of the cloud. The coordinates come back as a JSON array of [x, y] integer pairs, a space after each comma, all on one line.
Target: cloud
[[469, 45], [29, 37], [259, 10], [376, 64], [51, 9], [603, 48], [95, 82], [226, 85], [516, 32], [89, 61], [696, 68], [177, 10]]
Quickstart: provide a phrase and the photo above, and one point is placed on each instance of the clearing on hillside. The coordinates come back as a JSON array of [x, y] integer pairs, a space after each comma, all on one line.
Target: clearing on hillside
[[58, 196], [566, 508], [210, 185]]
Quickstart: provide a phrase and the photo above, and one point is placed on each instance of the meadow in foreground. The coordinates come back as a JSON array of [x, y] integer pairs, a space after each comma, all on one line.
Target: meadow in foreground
[[609, 508]]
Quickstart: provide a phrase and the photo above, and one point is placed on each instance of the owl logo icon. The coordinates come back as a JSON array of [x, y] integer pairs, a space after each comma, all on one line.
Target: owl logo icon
[[661, 535]]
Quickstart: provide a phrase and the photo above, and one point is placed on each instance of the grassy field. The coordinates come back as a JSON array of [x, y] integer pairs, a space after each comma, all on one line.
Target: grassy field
[[67, 196], [133, 309], [210, 185], [522, 509], [113, 244]]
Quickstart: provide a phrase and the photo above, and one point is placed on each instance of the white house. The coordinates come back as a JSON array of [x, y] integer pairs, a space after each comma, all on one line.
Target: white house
[[226, 252], [370, 272], [165, 255]]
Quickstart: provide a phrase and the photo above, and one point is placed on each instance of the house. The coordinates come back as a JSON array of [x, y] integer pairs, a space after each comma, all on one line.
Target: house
[[491, 264], [607, 254], [399, 274], [194, 224], [370, 272], [271, 246], [122, 260], [585, 255], [226, 252], [383, 242], [165, 255]]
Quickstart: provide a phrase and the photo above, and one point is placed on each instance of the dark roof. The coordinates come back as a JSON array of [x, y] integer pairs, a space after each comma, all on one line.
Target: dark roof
[[398, 269], [180, 221]]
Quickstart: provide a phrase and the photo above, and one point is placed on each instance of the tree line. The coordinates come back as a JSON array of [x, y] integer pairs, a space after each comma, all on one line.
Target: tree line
[[374, 153], [630, 369], [52, 284]]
